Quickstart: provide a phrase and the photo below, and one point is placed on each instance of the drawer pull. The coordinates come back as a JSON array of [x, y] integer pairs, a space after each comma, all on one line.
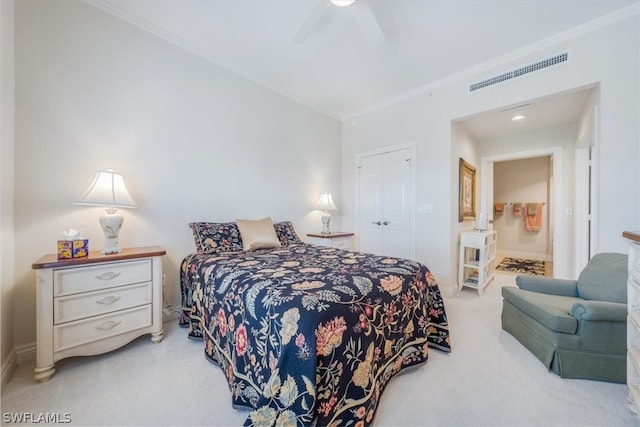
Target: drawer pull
[[635, 343], [636, 304], [107, 276], [107, 326], [108, 300]]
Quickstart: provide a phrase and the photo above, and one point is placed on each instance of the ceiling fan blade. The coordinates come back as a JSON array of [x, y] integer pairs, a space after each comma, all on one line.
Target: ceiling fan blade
[[312, 20], [367, 21]]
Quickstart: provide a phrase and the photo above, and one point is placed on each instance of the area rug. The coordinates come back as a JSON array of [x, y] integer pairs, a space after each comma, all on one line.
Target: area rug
[[521, 266]]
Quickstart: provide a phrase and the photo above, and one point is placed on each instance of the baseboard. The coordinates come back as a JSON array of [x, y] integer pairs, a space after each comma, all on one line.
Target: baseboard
[[448, 291], [8, 368], [26, 353], [17, 356]]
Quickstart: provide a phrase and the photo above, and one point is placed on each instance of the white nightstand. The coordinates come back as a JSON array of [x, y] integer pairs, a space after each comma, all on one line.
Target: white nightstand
[[93, 305], [335, 240]]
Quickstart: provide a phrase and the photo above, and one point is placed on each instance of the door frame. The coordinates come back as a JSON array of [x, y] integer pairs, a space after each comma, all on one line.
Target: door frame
[[586, 189], [559, 234], [411, 145]]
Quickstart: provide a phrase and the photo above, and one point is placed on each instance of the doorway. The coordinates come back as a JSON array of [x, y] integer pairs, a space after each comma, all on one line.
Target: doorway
[[559, 234], [523, 200]]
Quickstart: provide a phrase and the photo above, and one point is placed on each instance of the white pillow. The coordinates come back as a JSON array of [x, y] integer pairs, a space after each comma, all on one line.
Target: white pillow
[[257, 234]]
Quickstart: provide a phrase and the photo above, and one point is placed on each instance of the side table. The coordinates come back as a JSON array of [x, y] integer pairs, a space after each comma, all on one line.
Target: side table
[[336, 239], [92, 305]]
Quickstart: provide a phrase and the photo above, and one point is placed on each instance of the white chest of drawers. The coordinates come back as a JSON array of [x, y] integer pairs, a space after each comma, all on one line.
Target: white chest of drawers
[[633, 322], [335, 240], [92, 305]]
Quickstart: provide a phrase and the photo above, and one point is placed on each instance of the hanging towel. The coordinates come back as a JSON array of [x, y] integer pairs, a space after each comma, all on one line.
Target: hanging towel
[[499, 208], [532, 208], [533, 222], [517, 209]]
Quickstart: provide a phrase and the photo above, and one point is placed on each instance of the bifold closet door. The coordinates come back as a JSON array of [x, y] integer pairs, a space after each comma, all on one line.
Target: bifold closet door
[[384, 215]]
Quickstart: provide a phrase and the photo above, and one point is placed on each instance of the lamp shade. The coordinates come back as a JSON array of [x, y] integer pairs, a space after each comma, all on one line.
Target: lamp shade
[[107, 189], [326, 202]]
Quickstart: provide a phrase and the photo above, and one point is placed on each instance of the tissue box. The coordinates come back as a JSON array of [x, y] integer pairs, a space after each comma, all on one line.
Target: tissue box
[[70, 249]]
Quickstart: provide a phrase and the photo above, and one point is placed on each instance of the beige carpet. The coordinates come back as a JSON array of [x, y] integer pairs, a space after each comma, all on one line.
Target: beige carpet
[[489, 379]]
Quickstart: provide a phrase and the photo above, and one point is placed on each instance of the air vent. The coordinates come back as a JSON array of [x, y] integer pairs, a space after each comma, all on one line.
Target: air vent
[[520, 71]]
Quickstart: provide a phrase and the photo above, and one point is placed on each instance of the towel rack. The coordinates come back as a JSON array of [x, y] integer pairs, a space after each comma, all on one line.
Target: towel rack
[[524, 203]]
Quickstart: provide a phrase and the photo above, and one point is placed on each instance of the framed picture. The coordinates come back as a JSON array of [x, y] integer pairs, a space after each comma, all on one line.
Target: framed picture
[[467, 190]]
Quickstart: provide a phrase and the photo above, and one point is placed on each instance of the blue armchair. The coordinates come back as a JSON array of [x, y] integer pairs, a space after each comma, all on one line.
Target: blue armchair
[[577, 328]]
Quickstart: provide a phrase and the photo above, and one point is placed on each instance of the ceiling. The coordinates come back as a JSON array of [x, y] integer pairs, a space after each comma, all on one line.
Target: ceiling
[[340, 72], [551, 111]]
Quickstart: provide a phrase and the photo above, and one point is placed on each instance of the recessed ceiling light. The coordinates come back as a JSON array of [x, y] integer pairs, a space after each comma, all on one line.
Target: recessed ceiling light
[[343, 3], [518, 117]]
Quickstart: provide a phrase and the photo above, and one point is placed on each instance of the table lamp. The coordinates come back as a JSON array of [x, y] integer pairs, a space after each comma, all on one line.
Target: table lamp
[[326, 204], [108, 190]]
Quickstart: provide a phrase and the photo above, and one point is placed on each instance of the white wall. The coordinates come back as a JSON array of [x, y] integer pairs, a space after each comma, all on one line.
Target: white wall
[[401, 123], [426, 119], [522, 181], [464, 146], [194, 142], [7, 151]]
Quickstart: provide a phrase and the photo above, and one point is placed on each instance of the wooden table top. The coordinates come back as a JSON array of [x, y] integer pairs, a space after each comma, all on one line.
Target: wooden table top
[[632, 235], [330, 235], [52, 261]]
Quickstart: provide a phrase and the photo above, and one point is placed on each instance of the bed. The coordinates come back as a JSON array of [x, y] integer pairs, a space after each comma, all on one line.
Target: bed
[[307, 334]]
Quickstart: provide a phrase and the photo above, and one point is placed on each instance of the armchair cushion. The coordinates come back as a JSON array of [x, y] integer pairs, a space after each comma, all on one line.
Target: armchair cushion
[[552, 311], [604, 268]]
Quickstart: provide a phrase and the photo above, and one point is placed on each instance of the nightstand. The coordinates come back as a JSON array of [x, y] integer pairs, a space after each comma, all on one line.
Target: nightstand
[[335, 240], [92, 305]]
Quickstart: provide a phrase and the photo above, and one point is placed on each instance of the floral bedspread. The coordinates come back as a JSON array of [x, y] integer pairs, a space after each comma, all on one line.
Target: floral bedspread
[[308, 333]]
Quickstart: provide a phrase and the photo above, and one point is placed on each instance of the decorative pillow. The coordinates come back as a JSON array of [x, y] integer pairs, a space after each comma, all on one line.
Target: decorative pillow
[[257, 234], [286, 234], [212, 237]]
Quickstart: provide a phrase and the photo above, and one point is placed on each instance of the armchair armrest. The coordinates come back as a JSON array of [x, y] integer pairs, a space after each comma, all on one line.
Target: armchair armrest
[[599, 311], [547, 285]]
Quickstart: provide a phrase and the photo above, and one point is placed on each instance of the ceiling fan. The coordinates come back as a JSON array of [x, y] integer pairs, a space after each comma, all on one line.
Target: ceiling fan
[[360, 10]]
